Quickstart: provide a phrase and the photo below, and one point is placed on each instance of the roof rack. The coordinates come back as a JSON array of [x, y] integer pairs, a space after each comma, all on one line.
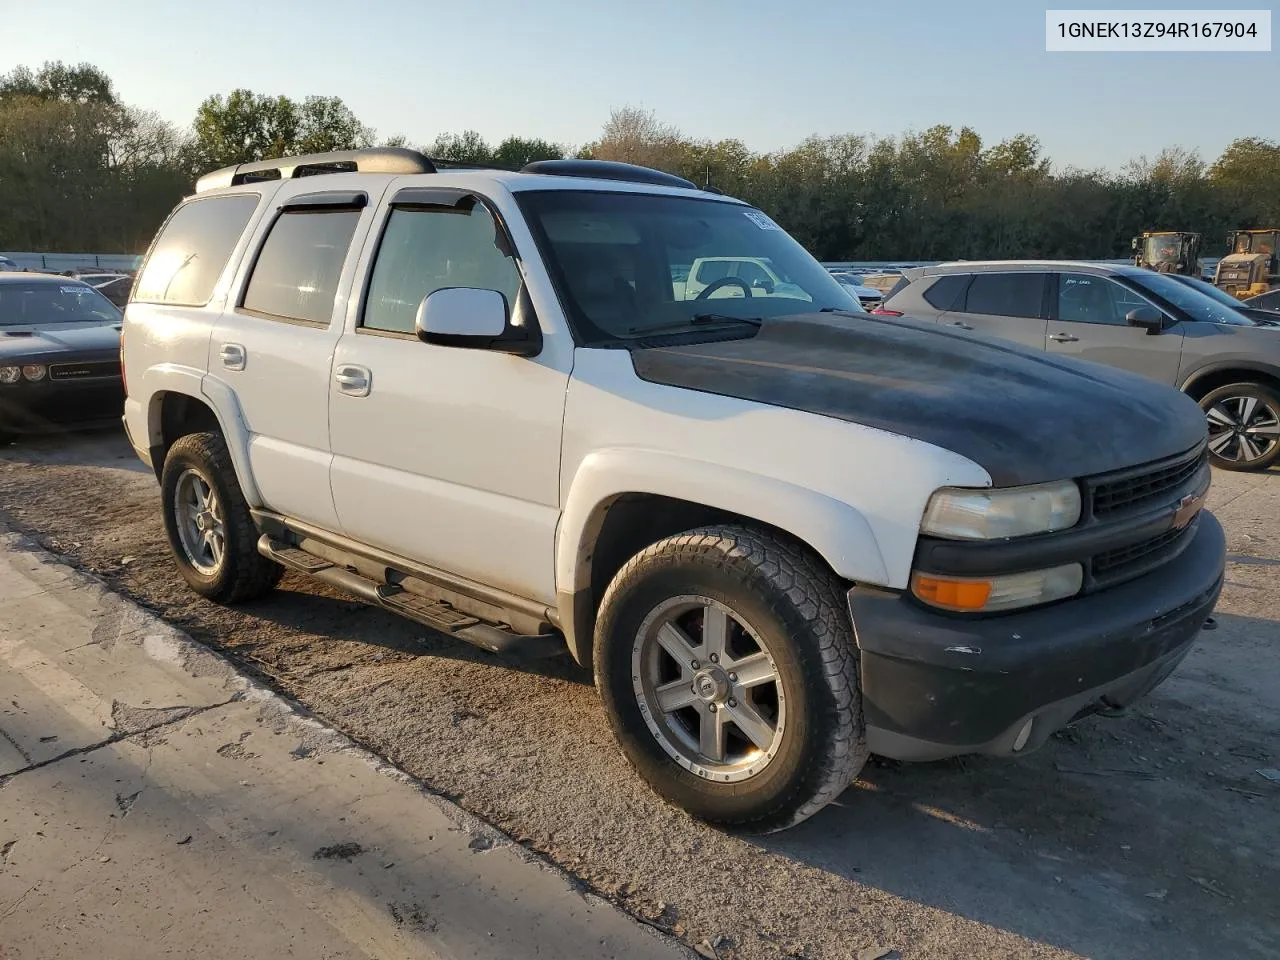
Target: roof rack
[[401, 160], [608, 170], [376, 160]]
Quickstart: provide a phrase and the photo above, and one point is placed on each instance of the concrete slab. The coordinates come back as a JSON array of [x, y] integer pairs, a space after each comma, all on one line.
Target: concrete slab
[[185, 811]]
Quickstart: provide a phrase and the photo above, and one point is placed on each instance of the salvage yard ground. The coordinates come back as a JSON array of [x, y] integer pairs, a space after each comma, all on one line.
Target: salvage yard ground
[[1152, 835]]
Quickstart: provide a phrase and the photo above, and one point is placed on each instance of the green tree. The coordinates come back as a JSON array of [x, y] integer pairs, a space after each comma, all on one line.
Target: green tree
[[515, 153], [326, 123], [82, 83], [465, 147]]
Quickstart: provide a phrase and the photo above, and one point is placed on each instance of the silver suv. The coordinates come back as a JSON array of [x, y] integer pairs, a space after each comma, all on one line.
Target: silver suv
[[1150, 323]]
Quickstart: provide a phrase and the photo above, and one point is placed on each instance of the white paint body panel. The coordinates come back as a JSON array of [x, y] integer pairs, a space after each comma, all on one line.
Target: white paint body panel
[[854, 493]]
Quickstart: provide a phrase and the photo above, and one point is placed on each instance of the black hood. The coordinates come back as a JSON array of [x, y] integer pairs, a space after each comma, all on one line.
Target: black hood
[[1022, 415], [58, 341]]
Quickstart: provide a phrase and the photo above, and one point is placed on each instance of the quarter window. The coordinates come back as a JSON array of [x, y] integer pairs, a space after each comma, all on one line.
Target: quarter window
[[1006, 294], [425, 249], [296, 276], [193, 249], [946, 290]]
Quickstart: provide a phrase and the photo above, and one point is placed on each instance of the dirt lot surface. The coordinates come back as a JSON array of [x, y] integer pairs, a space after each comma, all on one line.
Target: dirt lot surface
[[1152, 835]]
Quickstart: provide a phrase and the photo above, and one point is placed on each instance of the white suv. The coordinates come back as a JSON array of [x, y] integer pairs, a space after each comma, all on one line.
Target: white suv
[[784, 533]]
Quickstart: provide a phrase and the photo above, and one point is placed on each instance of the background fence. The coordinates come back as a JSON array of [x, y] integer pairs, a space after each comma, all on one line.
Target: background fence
[[58, 262]]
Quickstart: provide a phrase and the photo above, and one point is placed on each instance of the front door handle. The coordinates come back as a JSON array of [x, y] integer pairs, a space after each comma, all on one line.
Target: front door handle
[[353, 380], [232, 356], [962, 325], [1063, 338]]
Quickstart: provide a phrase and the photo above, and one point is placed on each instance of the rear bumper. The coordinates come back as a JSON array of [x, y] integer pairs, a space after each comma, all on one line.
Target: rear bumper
[[936, 686]]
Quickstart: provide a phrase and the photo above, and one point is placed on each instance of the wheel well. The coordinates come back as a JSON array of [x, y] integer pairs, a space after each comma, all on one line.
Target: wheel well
[[1202, 386], [180, 414], [632, 522]]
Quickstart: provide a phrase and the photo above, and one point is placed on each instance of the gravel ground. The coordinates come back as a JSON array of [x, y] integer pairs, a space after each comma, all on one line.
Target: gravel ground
[[1152, 835]]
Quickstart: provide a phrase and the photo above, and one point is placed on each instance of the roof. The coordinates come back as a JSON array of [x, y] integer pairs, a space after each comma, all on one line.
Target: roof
[[8, 277], [1021, 266]]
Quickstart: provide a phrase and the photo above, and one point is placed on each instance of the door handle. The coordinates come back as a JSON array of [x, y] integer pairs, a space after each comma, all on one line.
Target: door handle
[[961, 324], [232, 356], [1063, 338], [353, 380]]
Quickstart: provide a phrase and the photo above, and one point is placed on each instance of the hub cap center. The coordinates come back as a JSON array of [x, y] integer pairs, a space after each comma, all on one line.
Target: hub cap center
[[711, 685]]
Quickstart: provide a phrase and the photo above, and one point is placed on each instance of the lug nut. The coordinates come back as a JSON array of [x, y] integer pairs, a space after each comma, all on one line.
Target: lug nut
[[711, 707], [733, 678], [733, 702], [694, 664], [715, 658]]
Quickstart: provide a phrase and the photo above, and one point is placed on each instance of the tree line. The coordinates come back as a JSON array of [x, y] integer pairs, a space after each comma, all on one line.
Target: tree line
[[82, 171]]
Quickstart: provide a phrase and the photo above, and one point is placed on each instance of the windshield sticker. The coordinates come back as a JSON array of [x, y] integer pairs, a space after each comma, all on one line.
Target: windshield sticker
[[761, 221], [75, 290]]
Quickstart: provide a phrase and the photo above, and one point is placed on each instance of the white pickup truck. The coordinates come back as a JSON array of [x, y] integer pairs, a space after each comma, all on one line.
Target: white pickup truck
[[783, 533]]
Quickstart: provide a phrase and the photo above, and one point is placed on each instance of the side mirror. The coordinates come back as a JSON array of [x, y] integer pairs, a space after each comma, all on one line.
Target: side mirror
[[469, 317], [1148, 318]]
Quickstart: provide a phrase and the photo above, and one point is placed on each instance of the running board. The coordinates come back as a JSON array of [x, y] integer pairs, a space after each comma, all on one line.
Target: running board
[[430, 613]]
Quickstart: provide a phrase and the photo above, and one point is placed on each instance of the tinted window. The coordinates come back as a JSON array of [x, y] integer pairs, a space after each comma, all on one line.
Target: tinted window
[[424, 250], [40, 302], [1085, 298], [1006, 294], [945, 291], [297, 272], [192, 250], [1267, 301], [1190, 301]]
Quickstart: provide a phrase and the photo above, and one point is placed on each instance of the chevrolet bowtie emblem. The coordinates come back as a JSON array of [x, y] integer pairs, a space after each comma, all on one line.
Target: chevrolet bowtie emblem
[[1188, 507]]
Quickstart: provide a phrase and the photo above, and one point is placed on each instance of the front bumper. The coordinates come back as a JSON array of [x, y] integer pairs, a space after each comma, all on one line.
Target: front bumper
[[48, 406], [935, 685]]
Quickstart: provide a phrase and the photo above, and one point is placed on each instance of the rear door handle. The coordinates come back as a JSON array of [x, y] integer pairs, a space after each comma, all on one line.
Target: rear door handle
[[353, 380], [233, 356], [961, 324], [1063, 338]]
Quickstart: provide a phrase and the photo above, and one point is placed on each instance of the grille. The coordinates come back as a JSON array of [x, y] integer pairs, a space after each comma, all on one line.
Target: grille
[[1112, 565], [1126, 493], [85, 371]]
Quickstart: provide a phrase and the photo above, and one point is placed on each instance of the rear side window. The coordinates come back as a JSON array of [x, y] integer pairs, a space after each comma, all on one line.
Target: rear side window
[[297, 272], [192, 250], [946, 290], [1006, 294], [713, 270]]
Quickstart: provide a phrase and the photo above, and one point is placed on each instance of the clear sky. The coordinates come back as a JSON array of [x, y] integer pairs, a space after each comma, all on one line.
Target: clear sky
[[769, 72]]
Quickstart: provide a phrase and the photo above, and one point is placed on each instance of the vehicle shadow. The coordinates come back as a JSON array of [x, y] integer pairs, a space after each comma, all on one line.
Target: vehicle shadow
[[1148, 835], [103, 446]]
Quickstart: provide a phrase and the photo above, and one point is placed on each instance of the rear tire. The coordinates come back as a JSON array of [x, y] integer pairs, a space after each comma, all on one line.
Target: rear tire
[[211, 534], [767, 732], [1244, 426]]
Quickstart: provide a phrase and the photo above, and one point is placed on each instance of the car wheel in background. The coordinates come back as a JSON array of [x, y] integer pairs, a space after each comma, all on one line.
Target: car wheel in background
[[1244, 426]]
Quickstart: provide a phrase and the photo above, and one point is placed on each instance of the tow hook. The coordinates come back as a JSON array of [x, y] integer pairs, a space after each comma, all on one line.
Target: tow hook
[[1209, 624]]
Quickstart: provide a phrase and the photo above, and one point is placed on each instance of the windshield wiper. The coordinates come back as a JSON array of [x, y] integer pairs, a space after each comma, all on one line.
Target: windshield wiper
[[697, 320]]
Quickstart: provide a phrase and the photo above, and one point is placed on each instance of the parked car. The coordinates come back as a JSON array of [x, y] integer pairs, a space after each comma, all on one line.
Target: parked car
[[867, 297], [1160, 326], [1264, 301], [1256, 314], [96, 279], [59, 355], [9, 266], [116, 290], [781, 539]]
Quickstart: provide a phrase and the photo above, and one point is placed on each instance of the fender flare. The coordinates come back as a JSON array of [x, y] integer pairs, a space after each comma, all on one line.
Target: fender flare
[[836, 531], [217, 396]]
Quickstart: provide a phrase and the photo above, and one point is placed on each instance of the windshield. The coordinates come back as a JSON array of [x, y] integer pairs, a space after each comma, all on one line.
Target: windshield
[[1162, 250], [38, 303], [626, 265], [1190, 300]]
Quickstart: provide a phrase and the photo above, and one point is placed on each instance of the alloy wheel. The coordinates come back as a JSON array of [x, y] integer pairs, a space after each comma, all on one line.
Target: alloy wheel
[[1242, 428], [708, 689], [200, 522]]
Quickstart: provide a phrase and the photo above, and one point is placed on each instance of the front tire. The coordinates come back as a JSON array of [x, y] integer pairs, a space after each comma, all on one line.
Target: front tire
[[1244, 426], [726, 663], [211, 534]]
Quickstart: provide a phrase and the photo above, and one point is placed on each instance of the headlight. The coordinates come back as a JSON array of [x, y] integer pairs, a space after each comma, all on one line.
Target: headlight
[[965, 514], [10, 374], [34, 371], [1004, 592]]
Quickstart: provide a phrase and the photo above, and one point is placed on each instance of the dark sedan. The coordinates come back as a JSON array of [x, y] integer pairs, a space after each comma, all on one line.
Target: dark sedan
[[59, 355]]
